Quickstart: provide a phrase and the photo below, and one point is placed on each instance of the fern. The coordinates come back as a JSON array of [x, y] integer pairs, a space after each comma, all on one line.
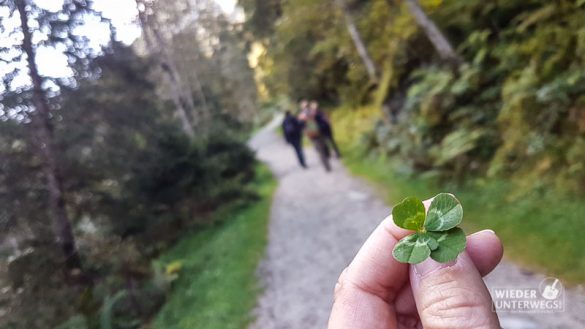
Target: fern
[[106, 314]]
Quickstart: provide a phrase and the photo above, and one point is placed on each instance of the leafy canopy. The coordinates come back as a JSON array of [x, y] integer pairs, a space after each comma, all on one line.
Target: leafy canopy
[[436, 232]]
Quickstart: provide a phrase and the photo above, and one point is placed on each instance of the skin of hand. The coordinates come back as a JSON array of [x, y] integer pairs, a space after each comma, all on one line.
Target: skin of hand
[[376, 291]]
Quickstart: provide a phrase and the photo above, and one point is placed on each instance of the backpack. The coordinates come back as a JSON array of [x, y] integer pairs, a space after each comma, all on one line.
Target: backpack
[[312, 129]]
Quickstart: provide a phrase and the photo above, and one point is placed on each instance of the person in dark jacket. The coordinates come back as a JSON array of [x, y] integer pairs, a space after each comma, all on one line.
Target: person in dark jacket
[[313, 132], [324, 126], [292, 130]]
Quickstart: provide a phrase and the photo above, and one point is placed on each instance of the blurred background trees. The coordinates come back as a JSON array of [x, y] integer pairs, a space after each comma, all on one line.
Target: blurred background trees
[[106, 164], [511, 105]]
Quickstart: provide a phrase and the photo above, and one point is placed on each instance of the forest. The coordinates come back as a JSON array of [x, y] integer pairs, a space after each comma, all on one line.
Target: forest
[[482, 98], [463, 87], [104, 168]]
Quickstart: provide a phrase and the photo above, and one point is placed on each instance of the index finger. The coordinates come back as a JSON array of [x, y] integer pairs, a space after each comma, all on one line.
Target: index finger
[[374, 269], [366, 290], [368, 286]]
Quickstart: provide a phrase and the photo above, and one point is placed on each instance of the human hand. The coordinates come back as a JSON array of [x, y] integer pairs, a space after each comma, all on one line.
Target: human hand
[[377, 291]]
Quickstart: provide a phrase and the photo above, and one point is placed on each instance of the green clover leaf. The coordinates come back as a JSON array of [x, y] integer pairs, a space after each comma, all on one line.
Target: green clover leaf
[[412, 249], [444, 213], [451, 243], [409, 214], [436, 233]]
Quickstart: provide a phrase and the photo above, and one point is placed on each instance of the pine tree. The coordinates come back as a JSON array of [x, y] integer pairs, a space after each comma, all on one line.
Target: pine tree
[[57, 29]]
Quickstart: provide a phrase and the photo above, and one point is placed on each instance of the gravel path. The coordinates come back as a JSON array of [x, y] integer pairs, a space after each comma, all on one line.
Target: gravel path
[[318, 222]]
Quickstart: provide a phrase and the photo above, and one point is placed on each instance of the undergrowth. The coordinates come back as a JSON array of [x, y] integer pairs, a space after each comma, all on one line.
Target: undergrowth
[[539, 230], [217, 286]]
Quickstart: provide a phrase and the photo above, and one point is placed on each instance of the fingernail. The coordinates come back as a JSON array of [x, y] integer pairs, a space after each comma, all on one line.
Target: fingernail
[[429, 266], [482, 232]]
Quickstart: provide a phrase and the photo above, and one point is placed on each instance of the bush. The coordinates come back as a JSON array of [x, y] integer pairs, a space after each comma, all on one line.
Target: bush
[[514, 109], [133, 184], [179, 181]]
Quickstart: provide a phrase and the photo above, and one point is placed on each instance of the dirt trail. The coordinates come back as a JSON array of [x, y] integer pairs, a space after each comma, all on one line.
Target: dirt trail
[[318, 222]]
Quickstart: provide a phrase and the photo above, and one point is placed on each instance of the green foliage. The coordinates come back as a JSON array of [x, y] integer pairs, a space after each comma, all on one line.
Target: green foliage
[[134, 185], [261, 16], [186, 177], [107, 308], [513, 109], [76, 322], [217, 285], [522, 221], [23, 276], [436, 234], [409, 214], [310, 53], [507, 126], [414, 248], [449, 244], [444, 213]]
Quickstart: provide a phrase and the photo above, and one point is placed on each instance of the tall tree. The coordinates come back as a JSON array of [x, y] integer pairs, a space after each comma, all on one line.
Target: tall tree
[[158, 46], [358, 40], [206, 54], [44, 140], [40, 27], [226, 61], [435, 36]]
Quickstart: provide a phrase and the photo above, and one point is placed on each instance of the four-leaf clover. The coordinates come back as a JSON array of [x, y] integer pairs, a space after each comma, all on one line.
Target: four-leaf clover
[[436, 232]]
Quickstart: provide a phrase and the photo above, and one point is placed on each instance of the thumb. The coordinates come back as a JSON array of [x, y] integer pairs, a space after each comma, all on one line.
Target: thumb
[[452, 295]]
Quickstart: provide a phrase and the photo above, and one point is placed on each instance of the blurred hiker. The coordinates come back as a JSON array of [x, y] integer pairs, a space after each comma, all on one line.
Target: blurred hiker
[[292, 128], [324, 126], [304, 107], [314, 133]]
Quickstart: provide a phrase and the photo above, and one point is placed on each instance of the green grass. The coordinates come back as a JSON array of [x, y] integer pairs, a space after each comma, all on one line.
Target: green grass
[[217, 285], [541, 231]]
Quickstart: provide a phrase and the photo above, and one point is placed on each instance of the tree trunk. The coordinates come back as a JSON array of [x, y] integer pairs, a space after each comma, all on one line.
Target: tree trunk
[[180, 94], [199, 89], [182, 106], [358, 41], [439, 41], [43, 131]]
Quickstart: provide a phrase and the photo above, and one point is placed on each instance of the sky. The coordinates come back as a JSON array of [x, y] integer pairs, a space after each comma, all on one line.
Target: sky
[[122, 13]]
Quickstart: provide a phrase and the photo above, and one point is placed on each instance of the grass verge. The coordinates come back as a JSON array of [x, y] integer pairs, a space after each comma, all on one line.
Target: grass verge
[[541, 231], [217, 285]]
